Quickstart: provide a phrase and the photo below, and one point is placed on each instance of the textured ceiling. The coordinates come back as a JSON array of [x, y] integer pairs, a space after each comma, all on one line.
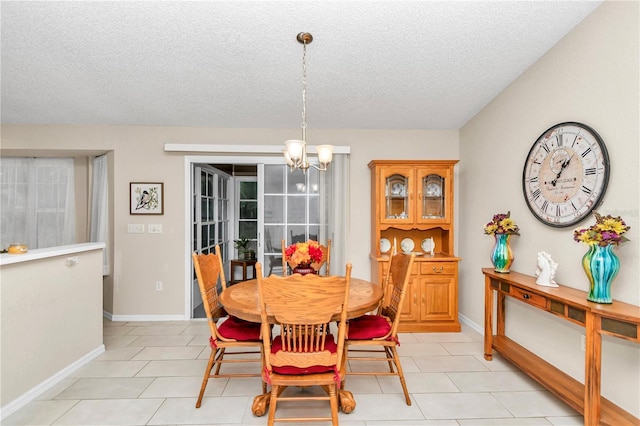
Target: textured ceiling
[[372, 64]]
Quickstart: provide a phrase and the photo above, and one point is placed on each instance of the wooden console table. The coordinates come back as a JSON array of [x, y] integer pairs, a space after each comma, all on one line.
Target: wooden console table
[[618, 319]]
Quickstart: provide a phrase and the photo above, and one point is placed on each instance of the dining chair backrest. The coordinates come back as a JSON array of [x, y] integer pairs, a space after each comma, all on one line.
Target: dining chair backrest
[[325, 261], [304, 305], [385, 284], [209, 269], [396, 281]]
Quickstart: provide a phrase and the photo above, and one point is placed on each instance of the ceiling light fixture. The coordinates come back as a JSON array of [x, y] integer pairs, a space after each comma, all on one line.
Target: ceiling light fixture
[[296, 152]]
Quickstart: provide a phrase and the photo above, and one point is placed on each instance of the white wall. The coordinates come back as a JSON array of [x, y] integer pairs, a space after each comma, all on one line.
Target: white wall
[[591, 76]]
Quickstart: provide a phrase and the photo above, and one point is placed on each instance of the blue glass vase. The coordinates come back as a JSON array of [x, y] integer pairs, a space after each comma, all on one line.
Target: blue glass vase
[[501, 255], [601, 265]]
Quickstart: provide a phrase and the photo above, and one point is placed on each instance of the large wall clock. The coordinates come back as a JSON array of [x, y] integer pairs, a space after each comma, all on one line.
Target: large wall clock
[[565, 174]]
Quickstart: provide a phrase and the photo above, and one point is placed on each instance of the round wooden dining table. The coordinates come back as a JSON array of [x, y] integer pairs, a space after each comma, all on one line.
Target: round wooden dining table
[[241, 300]]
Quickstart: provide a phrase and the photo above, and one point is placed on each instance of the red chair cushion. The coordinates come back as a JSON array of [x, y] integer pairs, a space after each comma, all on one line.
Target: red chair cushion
[[238, 329], [368, 327], [330, 345]]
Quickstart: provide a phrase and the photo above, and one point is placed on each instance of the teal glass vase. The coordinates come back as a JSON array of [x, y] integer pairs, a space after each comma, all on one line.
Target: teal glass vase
[[501, 255], [601, 265]]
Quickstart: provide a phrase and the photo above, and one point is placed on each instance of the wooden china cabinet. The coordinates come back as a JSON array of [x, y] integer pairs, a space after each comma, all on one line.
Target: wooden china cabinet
[[412, 211]]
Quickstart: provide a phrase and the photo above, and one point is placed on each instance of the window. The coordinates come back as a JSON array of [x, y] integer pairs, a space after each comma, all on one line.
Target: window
[[38, 207]]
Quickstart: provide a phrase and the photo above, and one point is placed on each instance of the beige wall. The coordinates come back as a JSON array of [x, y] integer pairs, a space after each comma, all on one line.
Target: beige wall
[[591, 76], [138, 155], [43, 331]]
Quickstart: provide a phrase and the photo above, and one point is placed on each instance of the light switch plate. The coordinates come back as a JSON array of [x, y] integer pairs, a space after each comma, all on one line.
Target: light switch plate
[[155, 229], [135, 228]]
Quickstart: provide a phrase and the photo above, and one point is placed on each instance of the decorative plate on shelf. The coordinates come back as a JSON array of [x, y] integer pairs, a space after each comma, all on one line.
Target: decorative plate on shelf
[[397, 189], [407, 245], [385, 245], [428, 245]]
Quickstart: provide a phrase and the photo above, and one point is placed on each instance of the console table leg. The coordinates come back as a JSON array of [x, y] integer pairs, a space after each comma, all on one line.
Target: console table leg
[[593, 349], [488, 319]]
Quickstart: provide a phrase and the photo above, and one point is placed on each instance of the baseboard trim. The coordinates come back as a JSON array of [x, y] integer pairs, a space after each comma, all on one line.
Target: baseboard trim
[[41, 388], [138, 318], [466, 320]]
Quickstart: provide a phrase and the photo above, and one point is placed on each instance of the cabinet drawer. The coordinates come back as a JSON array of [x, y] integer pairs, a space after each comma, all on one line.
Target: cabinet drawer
[[385, 268], [438, 268], [528, 297]]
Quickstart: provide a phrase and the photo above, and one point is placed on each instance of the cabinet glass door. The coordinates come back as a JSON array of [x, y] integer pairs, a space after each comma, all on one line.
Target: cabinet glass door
[[433, 190], [397, 187], [434, 195]]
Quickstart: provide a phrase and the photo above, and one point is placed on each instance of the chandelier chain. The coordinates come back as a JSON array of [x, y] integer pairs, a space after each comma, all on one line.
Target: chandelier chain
[[304, 91]]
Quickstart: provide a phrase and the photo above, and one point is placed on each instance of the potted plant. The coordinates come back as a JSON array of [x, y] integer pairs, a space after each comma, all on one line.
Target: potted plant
[[242, 245]]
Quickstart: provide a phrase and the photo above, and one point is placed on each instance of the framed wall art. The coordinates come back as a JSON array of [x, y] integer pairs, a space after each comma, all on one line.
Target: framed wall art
[[146, 198]]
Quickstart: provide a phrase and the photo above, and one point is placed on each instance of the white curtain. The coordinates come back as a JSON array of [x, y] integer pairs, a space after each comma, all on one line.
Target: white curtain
[[99, 227], [38, 202], [338, 208]]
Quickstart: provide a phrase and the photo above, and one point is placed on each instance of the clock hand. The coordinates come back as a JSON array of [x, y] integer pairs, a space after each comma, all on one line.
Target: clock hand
[[564, 166]]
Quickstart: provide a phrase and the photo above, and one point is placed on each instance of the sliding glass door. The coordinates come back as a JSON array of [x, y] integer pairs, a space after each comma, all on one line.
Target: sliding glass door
[[293, 211], [210, 221]]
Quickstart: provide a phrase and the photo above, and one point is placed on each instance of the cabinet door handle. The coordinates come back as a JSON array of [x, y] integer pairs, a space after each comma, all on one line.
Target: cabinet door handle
[[526, 296], [423, 299], [441, 270], [415, 299]]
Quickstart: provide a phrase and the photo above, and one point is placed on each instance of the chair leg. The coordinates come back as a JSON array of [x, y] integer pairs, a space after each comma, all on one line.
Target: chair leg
[[396, 360], [333, 400], [205, 380], [390, 358], [220, 355], [272, 405], [264, 383]]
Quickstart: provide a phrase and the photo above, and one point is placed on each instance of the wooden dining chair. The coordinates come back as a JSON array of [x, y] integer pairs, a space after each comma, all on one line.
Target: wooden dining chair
[[236, 334], [304, 353], [325, 261], [378, 333]]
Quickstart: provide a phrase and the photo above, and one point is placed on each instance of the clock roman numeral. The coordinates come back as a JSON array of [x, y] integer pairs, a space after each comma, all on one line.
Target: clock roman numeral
[[544, 146], [586, 152], [559, 139], [590, 171], [533, 179], [535, 194], [545, 205], [558, 210], [585, 190], [574, 206]]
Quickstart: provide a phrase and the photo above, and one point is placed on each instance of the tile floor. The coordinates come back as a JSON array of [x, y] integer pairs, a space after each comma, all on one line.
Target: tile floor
[[151, 373]]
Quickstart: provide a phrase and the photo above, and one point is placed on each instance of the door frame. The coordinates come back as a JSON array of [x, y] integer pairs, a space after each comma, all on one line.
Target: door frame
[[190, 161], [208, 153]]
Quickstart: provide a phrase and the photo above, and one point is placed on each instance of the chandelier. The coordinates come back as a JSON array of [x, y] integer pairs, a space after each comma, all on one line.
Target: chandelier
[[296, 152]]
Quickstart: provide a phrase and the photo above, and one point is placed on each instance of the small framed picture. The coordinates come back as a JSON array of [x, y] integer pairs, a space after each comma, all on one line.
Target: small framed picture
[[146, 198]]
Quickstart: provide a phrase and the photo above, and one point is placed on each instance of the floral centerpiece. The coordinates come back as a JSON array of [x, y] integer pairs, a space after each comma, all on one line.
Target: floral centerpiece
[[502, 227], [600, 263], [502, 224], [607, 230], [303, 253]]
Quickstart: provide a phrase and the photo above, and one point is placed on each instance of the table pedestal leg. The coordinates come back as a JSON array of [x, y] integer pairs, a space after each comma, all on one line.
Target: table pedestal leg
[[260, 404], [347, 401]]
